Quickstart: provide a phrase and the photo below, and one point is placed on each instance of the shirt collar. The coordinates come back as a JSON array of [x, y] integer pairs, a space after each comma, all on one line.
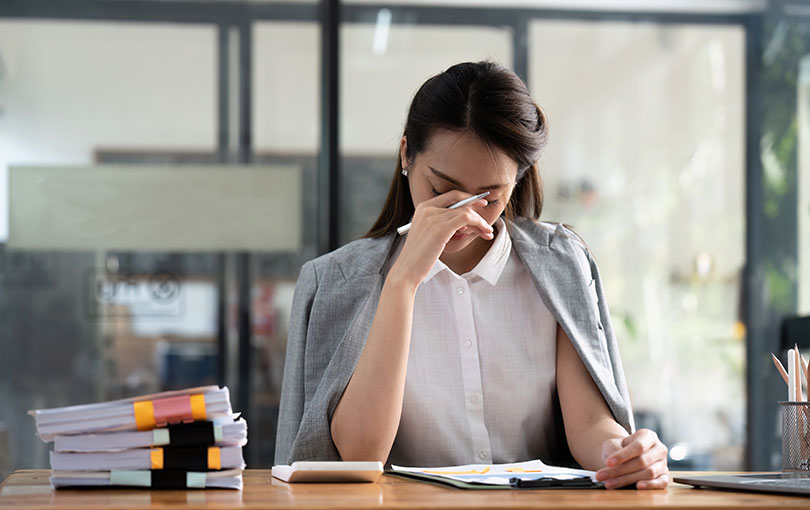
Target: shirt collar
[[491, 265]]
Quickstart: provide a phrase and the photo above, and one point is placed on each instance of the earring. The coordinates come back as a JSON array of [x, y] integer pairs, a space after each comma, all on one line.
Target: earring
[[405, 171]]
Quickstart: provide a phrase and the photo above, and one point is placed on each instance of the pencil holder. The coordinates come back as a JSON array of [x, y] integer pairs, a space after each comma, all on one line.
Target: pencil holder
[[795, 436]]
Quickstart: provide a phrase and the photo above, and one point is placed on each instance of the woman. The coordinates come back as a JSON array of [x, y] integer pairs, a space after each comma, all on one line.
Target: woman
[[482, 335]]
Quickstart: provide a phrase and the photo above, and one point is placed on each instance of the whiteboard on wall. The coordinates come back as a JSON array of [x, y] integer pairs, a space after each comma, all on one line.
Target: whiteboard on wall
[[155, 208]]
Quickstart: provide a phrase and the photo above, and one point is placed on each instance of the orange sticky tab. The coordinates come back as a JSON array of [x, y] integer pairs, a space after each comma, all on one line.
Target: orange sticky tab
[[214, 461], [198, 407], [157, 458], [144, 415]]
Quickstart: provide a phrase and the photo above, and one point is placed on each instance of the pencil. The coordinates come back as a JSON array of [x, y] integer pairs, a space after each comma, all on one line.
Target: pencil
[[799, 372], [780, 368], [801, 367], [807, 378], [798, 380]]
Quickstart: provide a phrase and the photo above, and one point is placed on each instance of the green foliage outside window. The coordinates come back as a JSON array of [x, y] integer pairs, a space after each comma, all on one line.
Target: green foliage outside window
[[785, 43]]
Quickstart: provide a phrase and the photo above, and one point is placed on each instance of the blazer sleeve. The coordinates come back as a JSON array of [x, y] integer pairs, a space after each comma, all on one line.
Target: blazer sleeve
[[612, 345], [622, 409], [291, 408]]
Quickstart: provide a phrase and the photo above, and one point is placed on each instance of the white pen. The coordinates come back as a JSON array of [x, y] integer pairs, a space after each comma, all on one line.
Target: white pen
[[791, 375], [405, 228]]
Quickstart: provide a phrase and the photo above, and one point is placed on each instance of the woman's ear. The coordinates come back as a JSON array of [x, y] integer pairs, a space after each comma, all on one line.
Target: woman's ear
[[403, 152]]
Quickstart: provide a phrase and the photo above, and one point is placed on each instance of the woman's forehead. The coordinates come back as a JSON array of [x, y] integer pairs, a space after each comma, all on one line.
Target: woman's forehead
[[463, 156]]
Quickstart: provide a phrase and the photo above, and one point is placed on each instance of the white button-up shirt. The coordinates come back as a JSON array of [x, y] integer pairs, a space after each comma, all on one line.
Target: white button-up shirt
[[481, 370]]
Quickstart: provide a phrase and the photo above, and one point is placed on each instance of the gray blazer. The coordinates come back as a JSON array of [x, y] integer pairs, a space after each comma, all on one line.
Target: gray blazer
[[335, 300]]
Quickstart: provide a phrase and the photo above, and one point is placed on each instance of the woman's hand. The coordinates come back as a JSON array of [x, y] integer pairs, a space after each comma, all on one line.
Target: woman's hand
[[433, 225], [640, 458]]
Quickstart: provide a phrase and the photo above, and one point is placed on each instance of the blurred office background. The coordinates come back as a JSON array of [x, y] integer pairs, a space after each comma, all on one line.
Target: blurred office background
[[166, 166]]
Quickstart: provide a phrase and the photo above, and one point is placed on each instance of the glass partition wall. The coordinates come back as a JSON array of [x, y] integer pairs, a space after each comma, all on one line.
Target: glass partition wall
[[646, 161], [152, 218], [83, 322], [674, 152]]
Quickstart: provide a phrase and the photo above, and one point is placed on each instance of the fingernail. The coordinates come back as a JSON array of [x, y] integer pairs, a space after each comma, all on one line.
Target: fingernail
[[611, 461]]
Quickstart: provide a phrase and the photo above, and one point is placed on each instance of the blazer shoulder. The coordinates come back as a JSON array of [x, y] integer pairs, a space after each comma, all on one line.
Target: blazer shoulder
[[357, 258], [564, 230], [557, 240], [549, 233]]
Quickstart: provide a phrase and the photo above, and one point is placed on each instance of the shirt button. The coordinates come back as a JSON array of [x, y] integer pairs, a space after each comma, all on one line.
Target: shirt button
[[467, 343], [482, 455], [460, 290], [473, 400]]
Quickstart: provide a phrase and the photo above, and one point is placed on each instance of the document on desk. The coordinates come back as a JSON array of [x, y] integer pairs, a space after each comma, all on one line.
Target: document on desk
[[520, 475]]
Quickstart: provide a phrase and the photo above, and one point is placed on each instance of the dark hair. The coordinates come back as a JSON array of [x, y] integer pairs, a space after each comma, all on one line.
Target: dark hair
[[489, 101]]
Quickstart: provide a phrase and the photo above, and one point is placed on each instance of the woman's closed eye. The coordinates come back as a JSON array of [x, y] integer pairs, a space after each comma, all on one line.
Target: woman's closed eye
[[436, 193]]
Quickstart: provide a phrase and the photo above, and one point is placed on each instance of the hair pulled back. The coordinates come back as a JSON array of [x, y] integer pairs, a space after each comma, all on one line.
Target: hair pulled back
[[489, 101]]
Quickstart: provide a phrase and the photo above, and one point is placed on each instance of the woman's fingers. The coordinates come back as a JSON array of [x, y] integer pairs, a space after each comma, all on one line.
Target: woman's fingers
[[651, 456], [435, 211], [649, 473], [633, 446], [458, 219], [659, 483], [641, 458]]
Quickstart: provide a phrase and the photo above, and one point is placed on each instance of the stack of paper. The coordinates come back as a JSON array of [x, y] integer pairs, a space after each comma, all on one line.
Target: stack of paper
[[529, 474], [175, 439]]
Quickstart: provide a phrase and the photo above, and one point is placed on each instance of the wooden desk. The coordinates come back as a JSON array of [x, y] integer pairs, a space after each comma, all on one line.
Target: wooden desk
[[29, 489]]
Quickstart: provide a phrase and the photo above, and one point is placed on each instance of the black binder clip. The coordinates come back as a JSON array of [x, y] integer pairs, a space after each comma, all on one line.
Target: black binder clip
[[555, 483]]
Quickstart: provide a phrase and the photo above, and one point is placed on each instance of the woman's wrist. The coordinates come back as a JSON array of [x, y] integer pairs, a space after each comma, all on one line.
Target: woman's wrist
[[396, 280]]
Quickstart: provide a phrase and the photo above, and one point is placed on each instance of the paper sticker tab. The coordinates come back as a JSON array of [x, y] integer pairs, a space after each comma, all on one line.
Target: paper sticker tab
[[157, 458], [160, 437], [131, 478], [172, 410], [144, 415], [198, 408], [195, 480], [214, 458]]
